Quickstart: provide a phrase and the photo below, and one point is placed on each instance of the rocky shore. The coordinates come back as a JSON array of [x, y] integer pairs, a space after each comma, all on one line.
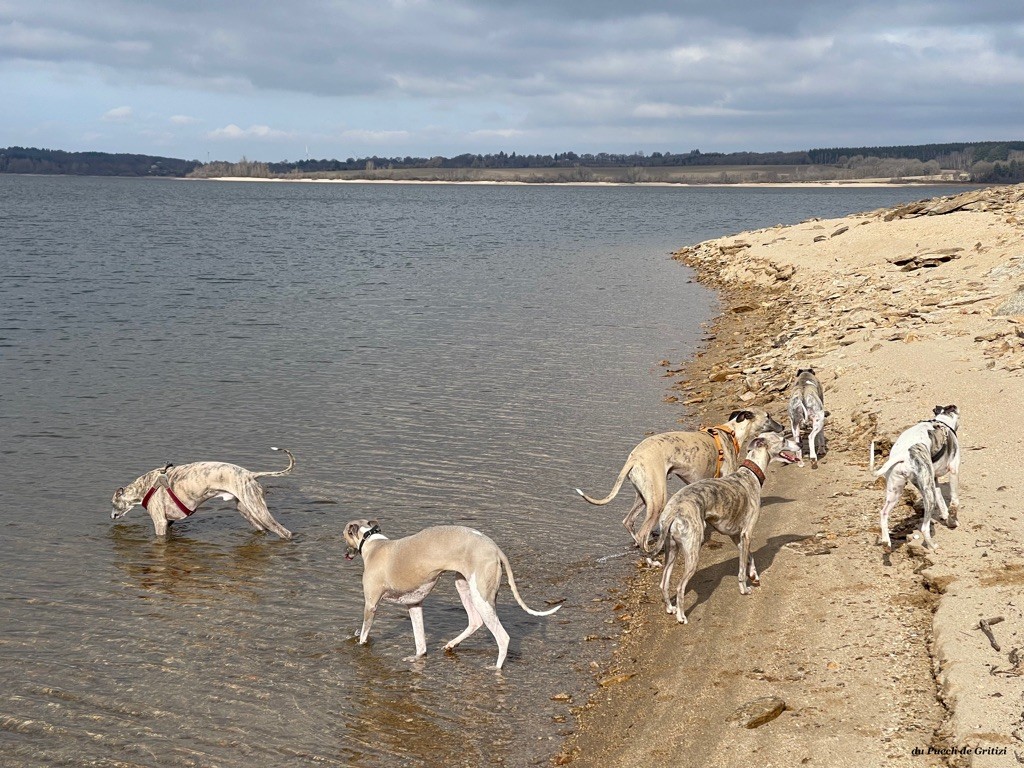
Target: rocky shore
[[859, 657]]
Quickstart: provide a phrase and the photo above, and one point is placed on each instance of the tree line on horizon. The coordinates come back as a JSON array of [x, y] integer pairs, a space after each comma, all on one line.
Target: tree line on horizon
[[1000, 162]]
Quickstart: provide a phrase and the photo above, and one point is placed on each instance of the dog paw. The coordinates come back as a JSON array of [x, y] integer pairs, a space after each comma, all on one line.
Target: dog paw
[[755, 581], [814, 464], [681, 618], [413, 658]]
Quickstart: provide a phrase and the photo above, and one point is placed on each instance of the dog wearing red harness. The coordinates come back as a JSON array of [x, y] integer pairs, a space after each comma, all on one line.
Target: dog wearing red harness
[[175, 493]]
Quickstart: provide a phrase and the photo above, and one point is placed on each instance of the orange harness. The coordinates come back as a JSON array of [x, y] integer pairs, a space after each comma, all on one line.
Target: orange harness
[[713, 431]]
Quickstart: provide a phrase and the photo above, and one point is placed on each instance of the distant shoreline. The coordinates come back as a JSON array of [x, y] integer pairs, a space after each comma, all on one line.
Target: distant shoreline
[[858, 183]]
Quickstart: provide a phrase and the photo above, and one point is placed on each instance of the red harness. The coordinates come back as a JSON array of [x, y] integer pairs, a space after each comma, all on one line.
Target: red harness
[[178, 502]]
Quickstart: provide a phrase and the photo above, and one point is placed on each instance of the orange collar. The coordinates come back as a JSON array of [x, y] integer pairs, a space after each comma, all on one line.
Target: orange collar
[[713, 431]]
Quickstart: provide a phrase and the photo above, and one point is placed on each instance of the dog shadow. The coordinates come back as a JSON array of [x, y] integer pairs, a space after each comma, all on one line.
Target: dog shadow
[[708, 579]]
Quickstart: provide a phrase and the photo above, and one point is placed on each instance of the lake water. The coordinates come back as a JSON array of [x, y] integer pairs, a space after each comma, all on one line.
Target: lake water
[[431, 354]]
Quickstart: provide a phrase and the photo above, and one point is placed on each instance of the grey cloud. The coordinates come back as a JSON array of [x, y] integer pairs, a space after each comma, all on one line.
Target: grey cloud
[[681, 69]]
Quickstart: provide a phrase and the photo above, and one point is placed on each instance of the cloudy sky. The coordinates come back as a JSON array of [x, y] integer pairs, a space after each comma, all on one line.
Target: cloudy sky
[[287, 79]]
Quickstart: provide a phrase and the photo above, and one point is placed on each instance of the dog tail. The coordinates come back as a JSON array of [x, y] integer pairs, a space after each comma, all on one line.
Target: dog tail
[[615, 488], [654, 547], [285, 471], [884, 469], [515, 591]]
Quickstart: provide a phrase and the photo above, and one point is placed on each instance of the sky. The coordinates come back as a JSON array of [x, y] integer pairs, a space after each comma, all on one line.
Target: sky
[[294, 79]]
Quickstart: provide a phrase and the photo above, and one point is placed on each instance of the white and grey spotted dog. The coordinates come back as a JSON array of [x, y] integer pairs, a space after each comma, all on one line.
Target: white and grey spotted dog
[[807, 409], [922, 454]]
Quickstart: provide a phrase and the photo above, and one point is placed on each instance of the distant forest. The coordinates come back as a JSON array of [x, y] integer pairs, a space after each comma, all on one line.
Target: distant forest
[[986, 162], [55, 161]]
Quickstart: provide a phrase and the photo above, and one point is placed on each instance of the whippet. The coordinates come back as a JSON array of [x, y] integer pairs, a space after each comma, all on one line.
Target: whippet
[[807, 409], [174, 493], [690, 456], [404, 571], [922, 454], [729, 505]]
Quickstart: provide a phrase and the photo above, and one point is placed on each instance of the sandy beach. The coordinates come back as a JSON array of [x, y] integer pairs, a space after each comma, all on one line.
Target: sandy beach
[[878, 657]]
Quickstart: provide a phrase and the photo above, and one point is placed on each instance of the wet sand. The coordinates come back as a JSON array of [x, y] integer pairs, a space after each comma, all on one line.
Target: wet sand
[[877, 656]]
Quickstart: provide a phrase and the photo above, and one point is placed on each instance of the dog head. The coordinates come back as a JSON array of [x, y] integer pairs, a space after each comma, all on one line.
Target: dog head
[[130, 496], [124, 500], [781, 448], [752, 421], [356, 532], [947, 414]]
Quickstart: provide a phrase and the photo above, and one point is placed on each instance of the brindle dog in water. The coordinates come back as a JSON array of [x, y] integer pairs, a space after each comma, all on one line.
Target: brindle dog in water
[[174, 493]]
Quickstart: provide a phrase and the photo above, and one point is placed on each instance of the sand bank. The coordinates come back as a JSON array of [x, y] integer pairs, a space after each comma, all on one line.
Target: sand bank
[[877, 656]]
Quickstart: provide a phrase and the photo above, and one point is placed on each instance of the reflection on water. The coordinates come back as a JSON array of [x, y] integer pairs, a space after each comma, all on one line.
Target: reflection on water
[[189, 569], [430, 354]]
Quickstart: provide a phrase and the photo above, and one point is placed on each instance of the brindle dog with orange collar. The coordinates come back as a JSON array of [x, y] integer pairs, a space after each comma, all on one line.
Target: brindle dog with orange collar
[[690, 456], [174, 493]]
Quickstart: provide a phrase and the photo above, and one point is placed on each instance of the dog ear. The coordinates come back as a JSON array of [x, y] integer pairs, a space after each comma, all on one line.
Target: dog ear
[[119, 493], [352, 529], [937, 410], [373, 523], [740, 416], [757, 442], [952, 409]]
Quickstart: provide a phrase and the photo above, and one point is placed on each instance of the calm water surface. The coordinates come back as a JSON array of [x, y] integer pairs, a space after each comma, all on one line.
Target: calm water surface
[[431, 354]]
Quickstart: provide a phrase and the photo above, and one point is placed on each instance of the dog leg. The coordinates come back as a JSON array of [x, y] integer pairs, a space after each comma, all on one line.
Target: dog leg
[[752, 573], [160, 525], [812, 439], [369, 611], [655, 491], [690, 546], [954, 483], [922, 475], [253, 507], [416, 614], [630, 519], [488, 613], [894, 486], [670, 559], [742, 541], [475, 622], [954, 495]]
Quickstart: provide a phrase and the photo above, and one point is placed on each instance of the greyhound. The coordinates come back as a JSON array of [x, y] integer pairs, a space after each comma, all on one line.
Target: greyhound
[[807, 408], [730, 505], [404, 571], [690, 456], [922, 454], [173, 493]]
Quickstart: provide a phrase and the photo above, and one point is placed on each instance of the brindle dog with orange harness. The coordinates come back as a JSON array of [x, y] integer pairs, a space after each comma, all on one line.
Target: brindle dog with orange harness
[[690, 456], [174, 493]]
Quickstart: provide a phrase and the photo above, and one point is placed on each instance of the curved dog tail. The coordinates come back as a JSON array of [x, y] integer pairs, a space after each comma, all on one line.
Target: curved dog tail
[[615, 488], [285, 471], [663, 522], [515, 591], [654, 547], [889, 464]]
